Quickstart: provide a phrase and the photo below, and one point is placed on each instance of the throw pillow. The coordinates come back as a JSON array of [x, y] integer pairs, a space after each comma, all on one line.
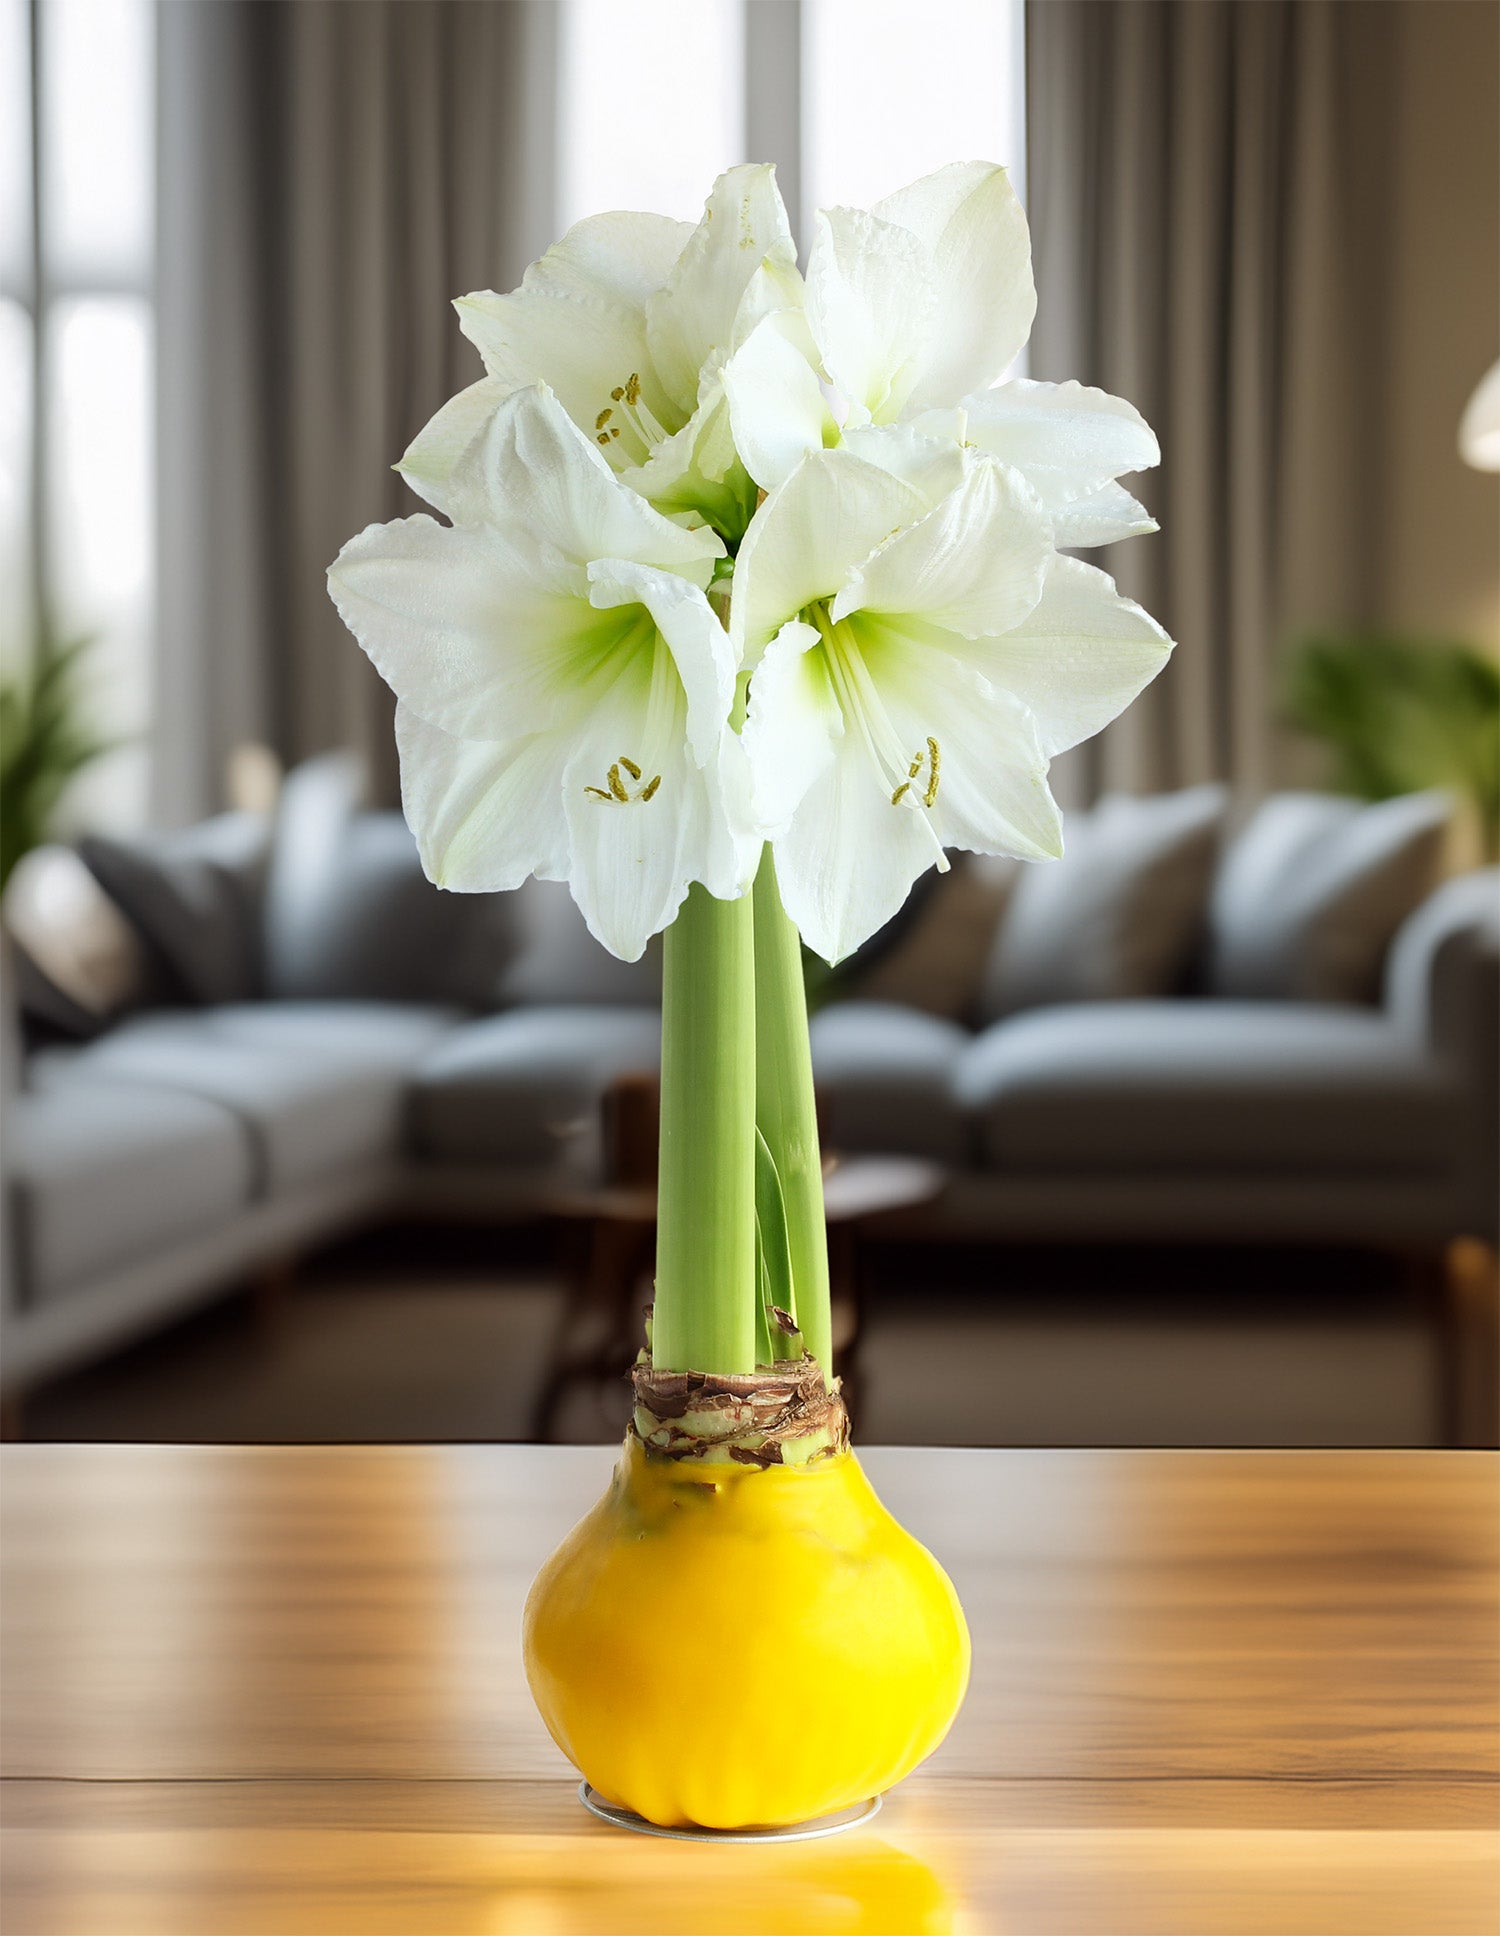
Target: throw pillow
[[351, 916], [1118, 917], [194, 899], [938, 965], [76, 961], [1311, 893]]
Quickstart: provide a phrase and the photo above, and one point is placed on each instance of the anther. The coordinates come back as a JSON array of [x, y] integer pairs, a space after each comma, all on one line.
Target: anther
[[650, 787], [630, 767], [617, 785], [934, 764], [901, 792], [617, 396], [602, 419]]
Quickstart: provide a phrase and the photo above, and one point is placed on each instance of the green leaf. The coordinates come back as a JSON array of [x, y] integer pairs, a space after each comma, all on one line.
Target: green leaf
[[773, 1241]]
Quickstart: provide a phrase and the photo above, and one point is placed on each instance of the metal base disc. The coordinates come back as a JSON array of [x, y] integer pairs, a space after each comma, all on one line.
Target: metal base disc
[[798, 1832]]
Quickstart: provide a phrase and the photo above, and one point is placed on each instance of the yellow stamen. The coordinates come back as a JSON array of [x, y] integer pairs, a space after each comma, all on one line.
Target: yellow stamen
[[618, 794], [602, 419], [932, 759]]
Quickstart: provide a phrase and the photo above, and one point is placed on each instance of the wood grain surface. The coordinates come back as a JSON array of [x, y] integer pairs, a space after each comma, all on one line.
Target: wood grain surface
[[279, 1691]]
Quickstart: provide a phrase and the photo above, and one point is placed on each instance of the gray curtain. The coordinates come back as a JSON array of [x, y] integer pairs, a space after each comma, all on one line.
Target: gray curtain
[[332, 173], [1208, 185]]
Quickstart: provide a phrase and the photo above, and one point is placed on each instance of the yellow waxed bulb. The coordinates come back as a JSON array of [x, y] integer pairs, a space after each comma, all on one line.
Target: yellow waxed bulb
[[731, 1646]]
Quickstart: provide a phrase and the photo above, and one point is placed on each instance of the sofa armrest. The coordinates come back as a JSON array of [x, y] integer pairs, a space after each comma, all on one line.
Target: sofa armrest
[[1442, 990], [1442, 978]]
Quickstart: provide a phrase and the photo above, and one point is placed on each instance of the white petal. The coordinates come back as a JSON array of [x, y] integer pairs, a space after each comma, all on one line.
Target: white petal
[[534, 463], [691, 320], [485, 813], [775, 288], [869, 304], [808, 536], [847, 861], [992, 792], [435, 451], [792, 724], [696, 474], [578, 320], [632, 862], [776, 404], [623, 256], [1067, 440], [483, 632], [933, 465], [1103, 517], [1081, 656], [975, 565], [697, 641], [984, 299]]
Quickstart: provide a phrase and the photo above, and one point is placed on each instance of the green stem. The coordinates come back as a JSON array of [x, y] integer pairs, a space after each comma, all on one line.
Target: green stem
[[784, 1108], [706, 1291]]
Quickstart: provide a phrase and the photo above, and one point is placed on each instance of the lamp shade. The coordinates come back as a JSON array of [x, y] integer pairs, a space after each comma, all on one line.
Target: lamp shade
[[1479, 431]]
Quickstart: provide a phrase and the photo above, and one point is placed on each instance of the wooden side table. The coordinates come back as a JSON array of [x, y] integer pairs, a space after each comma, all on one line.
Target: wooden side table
[[601, 1330]]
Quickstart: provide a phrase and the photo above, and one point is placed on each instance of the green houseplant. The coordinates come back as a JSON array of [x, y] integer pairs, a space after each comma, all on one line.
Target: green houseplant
[[750, 604], [1402, 714], [44, 744]]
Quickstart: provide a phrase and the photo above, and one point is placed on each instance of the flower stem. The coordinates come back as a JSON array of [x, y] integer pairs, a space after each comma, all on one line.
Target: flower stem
[[784, 1107], [706, 1289]]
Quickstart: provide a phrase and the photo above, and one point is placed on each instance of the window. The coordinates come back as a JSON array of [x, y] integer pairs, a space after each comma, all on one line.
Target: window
[[653, 100], [76, 362], [892, 90], [651, 104]]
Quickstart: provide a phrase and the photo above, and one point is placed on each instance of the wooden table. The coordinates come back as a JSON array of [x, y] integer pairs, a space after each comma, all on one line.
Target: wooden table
[[276, 1692]]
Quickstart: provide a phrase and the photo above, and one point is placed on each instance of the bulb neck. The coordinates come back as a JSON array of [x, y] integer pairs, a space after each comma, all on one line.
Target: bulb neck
[[778, 1415]]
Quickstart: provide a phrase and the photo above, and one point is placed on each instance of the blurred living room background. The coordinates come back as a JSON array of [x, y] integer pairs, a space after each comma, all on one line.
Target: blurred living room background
[[1190, 1138]]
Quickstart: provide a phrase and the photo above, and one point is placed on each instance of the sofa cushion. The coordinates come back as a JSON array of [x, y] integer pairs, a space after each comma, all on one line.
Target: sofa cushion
[[885, 1080], [1195, 1085], [557, 960], [319, 1092], [1119, 917], [525, 1087], [938, 962], [350, 915], [194, 897], [1310, 894], [102, 1174]]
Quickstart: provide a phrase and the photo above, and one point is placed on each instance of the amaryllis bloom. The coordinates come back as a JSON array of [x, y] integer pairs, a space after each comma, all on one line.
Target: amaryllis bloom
[[564, 687], [913, 312], [629, 319], [919, 653]]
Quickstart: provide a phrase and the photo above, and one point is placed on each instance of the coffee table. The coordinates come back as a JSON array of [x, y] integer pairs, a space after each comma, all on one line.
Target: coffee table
[[277, 1692]]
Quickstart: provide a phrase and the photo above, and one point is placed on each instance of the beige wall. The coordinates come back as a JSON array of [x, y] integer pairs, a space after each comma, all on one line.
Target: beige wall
[[1439, 557]]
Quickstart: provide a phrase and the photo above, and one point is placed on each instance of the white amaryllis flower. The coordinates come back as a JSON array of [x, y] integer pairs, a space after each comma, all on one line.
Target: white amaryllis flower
[[564, 685], [629, 319], [914, 310], [920, 651]]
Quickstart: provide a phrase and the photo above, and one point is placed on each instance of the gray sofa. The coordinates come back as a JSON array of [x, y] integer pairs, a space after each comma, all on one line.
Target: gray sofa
[[363, 1048]]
